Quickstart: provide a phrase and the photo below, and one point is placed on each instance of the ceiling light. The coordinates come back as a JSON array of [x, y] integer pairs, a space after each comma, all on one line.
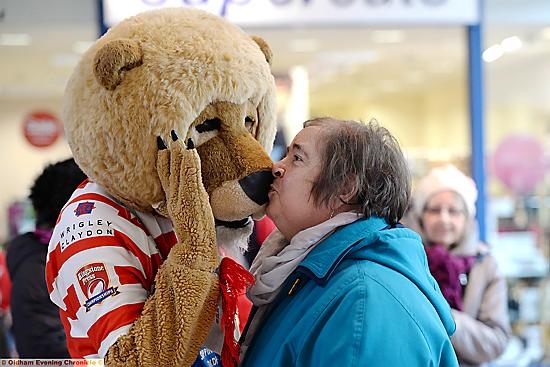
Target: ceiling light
[[511, 44], [492, 53], [15, 39], [388, 36]]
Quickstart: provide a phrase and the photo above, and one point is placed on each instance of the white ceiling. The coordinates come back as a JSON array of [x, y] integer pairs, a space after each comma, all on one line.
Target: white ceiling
[[337, 59]]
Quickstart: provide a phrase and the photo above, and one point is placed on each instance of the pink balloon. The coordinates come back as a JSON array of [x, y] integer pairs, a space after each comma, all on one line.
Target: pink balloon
[[519, 163]]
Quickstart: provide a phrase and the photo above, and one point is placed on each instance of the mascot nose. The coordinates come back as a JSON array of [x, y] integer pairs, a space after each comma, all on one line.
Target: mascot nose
[[256, 186]]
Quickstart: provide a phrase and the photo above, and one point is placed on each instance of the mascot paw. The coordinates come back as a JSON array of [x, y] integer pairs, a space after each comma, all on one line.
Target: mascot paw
[[179, 170]]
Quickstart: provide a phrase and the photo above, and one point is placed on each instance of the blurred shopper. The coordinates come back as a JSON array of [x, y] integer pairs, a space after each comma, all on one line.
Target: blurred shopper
[[340, 282], [36, 326], [467, 274], [5, 317]]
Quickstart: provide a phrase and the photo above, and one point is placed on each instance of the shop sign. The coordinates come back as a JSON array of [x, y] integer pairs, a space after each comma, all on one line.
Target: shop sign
[[260, 13], [41, 128]]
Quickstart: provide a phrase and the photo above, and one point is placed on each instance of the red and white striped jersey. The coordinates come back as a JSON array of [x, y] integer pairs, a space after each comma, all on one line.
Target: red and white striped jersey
[[102, 260]]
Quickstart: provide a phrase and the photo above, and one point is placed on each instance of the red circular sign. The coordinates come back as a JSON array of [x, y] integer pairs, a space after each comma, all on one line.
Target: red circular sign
[[41, 129]]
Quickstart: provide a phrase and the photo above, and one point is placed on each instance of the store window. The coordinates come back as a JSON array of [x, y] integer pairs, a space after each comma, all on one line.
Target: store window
[[412, 80], [518, 181]]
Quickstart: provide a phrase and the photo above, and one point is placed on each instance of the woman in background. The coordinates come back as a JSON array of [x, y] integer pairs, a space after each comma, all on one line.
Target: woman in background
[[468, 275], [36, 326]]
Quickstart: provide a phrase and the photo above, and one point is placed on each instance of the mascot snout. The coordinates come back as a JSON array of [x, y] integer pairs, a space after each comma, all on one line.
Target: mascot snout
[[256, 186]]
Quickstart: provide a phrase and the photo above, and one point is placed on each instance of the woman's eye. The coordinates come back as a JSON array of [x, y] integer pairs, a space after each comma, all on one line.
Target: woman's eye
[[297, 158]]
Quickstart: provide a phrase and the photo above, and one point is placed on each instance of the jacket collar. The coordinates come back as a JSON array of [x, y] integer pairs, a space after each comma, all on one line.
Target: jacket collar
[[323, 260]]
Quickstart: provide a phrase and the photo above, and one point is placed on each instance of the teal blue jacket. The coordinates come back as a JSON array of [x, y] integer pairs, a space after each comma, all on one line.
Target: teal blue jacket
[[363, 297]]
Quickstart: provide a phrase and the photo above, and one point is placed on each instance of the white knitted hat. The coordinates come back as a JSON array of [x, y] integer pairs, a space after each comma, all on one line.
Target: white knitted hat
[[445, 178]]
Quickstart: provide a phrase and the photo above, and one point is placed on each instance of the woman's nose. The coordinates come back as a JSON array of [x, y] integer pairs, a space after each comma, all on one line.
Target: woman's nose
[[444, 215], [278, 170]]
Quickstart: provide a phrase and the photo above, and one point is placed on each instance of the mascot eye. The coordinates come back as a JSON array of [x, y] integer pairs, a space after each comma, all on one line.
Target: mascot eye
[[209, 125], [249, 123]]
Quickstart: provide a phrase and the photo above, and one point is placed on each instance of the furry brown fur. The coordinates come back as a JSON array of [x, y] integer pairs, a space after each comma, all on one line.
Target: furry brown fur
[[189, 60], [187, 79]]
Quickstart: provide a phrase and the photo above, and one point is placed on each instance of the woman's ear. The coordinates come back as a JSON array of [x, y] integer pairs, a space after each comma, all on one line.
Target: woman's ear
[[348, 194]]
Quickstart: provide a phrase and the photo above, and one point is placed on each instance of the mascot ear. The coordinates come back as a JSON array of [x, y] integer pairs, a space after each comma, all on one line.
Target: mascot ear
[[113, 59], [264, 47]]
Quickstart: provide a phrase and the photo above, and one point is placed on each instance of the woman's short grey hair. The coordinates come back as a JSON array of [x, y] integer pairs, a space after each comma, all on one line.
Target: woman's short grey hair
[[369, 156]]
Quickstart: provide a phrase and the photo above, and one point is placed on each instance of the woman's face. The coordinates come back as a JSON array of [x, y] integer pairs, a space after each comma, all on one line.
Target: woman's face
[[291, 205], [444, 218]]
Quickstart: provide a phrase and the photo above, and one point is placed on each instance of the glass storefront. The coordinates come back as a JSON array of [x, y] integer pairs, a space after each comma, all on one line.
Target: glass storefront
[[414, 81]]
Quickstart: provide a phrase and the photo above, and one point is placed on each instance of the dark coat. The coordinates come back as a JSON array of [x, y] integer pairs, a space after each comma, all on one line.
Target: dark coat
[[36, 326]]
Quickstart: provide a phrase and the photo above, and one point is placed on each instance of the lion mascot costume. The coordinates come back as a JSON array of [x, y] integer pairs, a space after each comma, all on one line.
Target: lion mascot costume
[[170, 114]]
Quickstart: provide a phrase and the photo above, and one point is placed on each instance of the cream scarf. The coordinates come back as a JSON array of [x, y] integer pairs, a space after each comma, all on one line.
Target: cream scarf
[[278, 258]]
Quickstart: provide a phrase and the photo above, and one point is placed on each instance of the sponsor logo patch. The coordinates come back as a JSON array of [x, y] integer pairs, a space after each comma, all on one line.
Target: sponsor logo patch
[[94, 282]]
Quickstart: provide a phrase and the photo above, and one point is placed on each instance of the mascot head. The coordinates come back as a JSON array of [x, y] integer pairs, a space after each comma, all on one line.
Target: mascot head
[[175, 71]]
